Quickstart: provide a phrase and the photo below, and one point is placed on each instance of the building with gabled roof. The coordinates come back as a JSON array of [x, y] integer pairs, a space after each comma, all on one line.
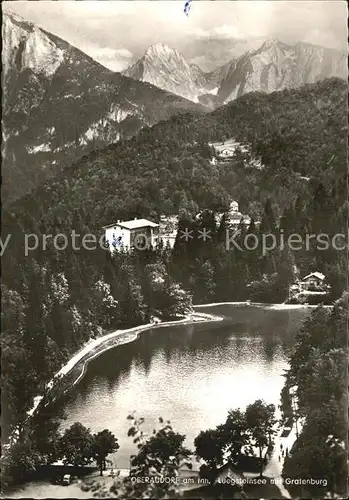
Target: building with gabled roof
[[229, 474], [313, 281], [136, 233], [316, 276]]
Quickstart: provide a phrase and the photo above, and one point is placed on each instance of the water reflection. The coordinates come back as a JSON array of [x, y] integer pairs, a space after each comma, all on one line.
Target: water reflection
[[191, 375]]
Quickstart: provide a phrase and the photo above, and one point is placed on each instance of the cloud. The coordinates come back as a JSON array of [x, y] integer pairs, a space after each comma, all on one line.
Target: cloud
[[113, 59], [94, 26], [221, 32], [226, 31]]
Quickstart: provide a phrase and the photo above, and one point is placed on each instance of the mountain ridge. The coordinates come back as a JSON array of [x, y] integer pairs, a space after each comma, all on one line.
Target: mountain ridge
[[273, 66], [60, 104], [167, 67], [289, 129]]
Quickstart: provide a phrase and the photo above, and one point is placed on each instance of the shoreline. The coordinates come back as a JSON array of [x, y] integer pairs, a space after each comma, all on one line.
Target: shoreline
[[265, 305], [121, 337], [75, 368], [95, 347]]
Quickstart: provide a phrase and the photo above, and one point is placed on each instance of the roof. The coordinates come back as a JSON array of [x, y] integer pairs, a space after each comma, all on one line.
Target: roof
[[230, 471], [133, 224], [320, 276]]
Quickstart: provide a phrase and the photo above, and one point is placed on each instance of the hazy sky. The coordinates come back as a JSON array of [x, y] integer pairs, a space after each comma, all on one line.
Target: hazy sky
[[117, 32]]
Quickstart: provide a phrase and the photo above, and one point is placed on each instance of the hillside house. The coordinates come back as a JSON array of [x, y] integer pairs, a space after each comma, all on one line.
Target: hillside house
[[311, 289], [236, 218], [256, 163], [227, 152], [313, 281], [136, 233], [228, 473]]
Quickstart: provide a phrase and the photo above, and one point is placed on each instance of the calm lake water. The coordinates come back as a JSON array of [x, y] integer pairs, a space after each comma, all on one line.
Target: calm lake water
[[191, 375]]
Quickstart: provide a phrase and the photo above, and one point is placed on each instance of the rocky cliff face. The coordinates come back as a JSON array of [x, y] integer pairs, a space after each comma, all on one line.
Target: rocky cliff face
[[167, 69], [276, 66], [59, 104], [273, 66]]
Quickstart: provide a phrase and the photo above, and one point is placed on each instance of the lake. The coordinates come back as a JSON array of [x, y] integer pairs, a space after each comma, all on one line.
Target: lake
[[191, 375]]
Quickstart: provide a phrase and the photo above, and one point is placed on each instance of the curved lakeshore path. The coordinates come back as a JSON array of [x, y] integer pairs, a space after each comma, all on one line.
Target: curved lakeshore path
[[192, 372], [72, 372], [75, 368]]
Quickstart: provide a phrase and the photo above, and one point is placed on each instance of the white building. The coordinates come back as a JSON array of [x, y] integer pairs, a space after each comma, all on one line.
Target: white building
[[313, 281], [136, 233], [234, 207], [237, 218], [226, 153], [234, 216]]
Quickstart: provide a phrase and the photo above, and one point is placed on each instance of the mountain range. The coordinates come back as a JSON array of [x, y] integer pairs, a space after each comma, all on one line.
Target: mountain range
[[300, 136], [273, 66], [59, 104]]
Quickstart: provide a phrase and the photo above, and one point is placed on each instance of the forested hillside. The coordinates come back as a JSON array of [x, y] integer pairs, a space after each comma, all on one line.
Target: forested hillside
[[55, 300], [316, 394], [297, 132]]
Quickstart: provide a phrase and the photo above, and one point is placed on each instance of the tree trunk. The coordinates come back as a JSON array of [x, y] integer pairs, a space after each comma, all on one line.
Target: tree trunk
[[101, 468], [261, 459]]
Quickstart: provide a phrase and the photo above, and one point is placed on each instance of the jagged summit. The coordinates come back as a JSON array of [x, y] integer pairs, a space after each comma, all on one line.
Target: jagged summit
[[160, 49], [277, 66], [168, 69], [27, 46], [272, 42], [9, 13], [60, 104], [274, 65], [165, 55]]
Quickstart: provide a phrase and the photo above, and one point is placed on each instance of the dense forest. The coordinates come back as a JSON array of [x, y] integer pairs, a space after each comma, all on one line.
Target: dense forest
[[55, 300], [165, 168], [316, 395]]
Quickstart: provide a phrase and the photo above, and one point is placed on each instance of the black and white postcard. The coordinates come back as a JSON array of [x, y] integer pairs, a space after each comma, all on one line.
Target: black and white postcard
[[174, 249]]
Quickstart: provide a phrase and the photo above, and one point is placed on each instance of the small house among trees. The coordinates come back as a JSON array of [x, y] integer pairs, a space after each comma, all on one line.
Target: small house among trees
[[229, 474], [313, 281]]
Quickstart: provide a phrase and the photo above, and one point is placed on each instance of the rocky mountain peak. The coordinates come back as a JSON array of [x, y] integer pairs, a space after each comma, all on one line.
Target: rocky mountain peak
[[271, 43], [164, 57], [274, 65], [26, 46], [160, 50], [61, 104], [168, 69]]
